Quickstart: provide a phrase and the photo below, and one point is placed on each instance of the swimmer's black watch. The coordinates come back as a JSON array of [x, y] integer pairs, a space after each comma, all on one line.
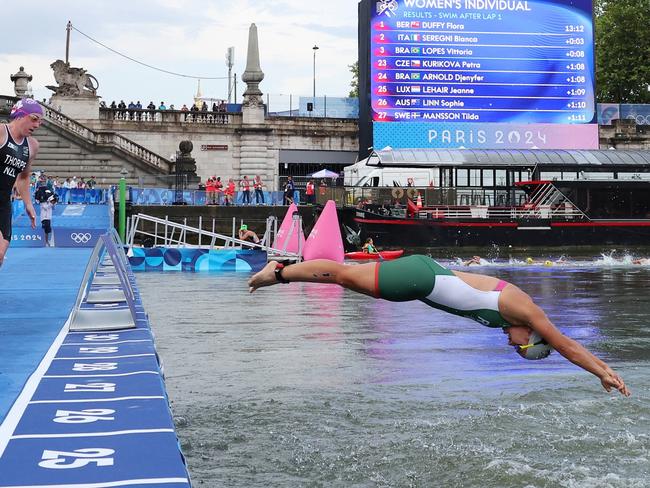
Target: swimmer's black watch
[[278, 274]]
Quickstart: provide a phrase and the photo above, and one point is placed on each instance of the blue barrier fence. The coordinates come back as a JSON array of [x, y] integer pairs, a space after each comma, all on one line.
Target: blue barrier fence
[[79, 195], [165, 196]]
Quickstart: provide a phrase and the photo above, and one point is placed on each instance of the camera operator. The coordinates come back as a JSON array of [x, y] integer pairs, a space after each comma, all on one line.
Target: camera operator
[[47, 199]]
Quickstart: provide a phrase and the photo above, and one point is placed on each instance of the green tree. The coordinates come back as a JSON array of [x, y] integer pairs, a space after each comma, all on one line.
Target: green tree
[[354, 84], [622, 51]]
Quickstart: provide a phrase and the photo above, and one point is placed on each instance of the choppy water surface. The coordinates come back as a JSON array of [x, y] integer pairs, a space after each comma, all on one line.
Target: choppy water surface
[[311, 385]]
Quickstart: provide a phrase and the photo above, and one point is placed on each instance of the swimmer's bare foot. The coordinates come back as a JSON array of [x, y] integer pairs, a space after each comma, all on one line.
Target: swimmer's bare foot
[[265, 277]]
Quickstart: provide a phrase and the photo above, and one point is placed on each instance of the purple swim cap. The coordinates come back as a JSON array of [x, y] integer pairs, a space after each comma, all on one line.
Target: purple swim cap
[[24, 107]]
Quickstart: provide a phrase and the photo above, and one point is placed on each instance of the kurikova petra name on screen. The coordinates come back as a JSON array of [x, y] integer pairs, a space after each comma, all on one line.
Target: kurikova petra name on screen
[[512, 5]]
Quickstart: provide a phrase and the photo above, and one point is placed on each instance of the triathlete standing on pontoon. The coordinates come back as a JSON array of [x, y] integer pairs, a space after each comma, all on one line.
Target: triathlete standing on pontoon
[[486, 299], [17, 151]]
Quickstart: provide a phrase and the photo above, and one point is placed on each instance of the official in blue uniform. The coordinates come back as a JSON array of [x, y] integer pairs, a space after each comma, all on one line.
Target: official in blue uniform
[[17, 151]]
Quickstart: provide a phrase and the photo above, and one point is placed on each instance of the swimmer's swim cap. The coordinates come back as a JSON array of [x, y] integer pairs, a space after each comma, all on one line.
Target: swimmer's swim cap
[[243, 227], [537, 348], [548, 263], [25, 107], [529, 260]]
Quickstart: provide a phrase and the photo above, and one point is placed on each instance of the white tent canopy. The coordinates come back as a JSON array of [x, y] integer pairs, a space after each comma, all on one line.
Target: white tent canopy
[[324, 173]]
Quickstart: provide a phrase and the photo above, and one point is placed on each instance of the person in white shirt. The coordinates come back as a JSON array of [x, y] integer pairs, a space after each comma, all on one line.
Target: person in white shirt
[[46, 217]]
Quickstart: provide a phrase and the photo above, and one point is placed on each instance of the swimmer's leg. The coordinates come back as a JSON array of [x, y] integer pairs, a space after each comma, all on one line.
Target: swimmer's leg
[[359, 278]]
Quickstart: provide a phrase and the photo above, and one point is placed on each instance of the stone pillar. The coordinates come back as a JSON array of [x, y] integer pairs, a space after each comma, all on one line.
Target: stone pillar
[[253, 106], [254, 137], [255, 156], [21, 83]]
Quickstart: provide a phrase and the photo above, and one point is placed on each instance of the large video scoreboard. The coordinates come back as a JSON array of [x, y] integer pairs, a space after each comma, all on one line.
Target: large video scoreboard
[[481, 74]]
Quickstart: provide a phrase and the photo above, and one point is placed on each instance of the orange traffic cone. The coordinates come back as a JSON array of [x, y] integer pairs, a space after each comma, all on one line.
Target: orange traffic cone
[[418, 202]]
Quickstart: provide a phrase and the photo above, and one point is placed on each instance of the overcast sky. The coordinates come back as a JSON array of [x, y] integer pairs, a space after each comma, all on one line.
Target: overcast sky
[[185, 36]]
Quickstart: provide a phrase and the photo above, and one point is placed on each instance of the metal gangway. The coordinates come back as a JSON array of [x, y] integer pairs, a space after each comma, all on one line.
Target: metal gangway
[[167, 233]]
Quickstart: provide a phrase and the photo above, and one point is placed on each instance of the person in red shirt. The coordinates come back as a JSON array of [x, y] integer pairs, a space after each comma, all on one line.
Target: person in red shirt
[[209, 191], [218, 189], [310, 192], [229, 192]]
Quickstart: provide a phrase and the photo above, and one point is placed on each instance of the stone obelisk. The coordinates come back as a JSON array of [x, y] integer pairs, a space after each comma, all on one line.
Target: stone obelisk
[[255, 154], [253, 106]]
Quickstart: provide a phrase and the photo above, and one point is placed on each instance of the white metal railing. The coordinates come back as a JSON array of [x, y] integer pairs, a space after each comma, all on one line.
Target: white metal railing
[[167, 233], [485, 212], [549, 202]]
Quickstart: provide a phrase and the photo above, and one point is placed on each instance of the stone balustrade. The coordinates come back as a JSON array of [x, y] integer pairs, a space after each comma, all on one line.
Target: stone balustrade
[[107, 139], [168, 116]]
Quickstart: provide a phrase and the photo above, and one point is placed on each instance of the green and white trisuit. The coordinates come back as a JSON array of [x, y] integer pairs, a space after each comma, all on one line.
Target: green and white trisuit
[[422, 278]]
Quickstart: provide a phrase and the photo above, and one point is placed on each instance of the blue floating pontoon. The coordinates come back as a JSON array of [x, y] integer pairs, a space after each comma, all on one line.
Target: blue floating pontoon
[[81, 404]]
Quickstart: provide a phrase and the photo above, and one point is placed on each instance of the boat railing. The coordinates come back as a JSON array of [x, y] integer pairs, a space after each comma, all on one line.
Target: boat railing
[[564, 211]]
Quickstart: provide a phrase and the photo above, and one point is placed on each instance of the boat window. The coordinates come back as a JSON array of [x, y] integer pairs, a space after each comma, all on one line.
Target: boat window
[[551, 175], [375, 181], [501, 177], [436, 177], [634, 176], [596, 175], [474, 177], [488, 177], [462, 177]]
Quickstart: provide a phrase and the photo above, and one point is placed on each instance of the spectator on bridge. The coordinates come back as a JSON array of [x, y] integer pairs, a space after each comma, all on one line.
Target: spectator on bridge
[[210, 192], [218, 188], [162, 106], [310, 192], [288, 191], [214, 107], [245, 186], [113, 105], [131, 109], [122, 107], [204, 107], [151, 106], [102, 104], [229, 192], [259, 193], [138, 105], [185, 109], [194, 110]]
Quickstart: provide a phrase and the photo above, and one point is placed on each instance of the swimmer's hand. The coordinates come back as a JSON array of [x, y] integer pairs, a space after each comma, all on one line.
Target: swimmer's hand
[[31, 213], [610, 380]]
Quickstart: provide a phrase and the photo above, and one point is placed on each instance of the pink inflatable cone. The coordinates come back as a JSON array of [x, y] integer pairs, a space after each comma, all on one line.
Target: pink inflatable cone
[[325, 241], [292, 239]]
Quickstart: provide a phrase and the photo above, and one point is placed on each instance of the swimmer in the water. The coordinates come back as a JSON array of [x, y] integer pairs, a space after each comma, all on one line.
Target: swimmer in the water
[[474, 260], [485, 299]]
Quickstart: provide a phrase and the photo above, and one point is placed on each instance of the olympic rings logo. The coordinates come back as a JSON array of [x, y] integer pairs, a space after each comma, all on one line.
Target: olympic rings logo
[[640, 119], [80, 237]]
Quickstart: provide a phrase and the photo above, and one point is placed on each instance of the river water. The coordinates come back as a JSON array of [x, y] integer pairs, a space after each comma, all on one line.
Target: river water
[[311, 385]]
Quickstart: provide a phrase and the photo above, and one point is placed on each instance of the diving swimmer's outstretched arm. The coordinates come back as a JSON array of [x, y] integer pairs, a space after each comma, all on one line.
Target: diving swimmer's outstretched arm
[[515, 306], [519, 309]]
